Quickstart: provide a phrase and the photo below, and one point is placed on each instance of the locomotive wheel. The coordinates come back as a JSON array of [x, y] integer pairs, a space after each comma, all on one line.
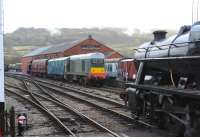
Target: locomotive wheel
[[167, 122], [191, 130], [82, 81], [85, 82], [79, 81], [164, 120]]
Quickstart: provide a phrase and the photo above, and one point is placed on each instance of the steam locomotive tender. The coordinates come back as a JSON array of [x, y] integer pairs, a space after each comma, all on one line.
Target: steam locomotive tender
[[167, 87]]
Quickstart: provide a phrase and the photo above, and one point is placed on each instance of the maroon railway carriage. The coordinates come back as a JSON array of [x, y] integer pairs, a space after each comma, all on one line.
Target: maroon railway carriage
[[127, 69], [39, 67]]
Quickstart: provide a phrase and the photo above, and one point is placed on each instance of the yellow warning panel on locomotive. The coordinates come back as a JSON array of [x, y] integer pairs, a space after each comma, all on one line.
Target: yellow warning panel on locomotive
[[97, 70]]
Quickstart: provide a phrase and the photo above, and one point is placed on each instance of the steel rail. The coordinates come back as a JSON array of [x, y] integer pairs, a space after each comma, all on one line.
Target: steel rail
[[79, 114], [74, 89], [52, 116], [58, 102], [101, 107], [81, 91], [109, 90]]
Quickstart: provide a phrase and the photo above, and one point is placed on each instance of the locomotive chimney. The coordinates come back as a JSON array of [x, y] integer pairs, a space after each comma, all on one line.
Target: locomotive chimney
[[89, 36], [159, 35]]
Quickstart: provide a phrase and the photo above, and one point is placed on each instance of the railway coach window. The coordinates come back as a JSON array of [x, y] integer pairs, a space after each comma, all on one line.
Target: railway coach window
[[83, 65], [110, 67]]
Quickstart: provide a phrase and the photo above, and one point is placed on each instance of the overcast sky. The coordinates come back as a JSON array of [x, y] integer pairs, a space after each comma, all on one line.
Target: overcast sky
[[142, 14]]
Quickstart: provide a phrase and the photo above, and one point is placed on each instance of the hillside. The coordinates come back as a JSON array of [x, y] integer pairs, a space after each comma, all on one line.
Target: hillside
[[24, 40]]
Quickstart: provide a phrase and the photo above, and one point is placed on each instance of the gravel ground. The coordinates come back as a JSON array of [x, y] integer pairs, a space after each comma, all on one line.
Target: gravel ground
[[121, 127], [38, 124], [93, 90]]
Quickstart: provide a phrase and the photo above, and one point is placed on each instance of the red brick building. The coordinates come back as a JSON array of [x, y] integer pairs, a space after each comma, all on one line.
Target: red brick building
[[67, 49]]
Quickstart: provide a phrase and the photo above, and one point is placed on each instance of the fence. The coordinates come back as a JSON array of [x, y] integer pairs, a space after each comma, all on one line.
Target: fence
[[9, 128]]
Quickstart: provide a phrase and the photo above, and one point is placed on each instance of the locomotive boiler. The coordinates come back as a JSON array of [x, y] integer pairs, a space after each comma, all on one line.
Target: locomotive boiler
[[167, 87]]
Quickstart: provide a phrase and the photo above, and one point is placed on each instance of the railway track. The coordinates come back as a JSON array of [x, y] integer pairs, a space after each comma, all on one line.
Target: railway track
[[105, 104], [26, 98], [81, 90], [69, 119], [112, 89], [110, 93], [100, 111], [38, 123]]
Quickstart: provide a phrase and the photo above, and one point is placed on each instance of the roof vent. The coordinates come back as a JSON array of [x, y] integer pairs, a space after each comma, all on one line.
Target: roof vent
[[159, 35], [89, 36]]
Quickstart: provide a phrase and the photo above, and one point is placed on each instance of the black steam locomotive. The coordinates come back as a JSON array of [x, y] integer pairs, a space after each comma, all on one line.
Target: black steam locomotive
[[167, 87]]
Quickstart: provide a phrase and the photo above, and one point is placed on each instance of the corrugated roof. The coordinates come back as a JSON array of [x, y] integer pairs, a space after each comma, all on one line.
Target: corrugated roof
[[58, 48], [52, 49], [64, 46], [37, 51]]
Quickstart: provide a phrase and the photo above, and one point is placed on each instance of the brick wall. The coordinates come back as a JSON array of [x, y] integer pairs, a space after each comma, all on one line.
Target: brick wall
[[91, 45]]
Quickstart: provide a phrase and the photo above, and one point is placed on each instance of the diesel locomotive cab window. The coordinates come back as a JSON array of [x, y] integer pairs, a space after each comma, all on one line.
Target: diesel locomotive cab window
[[110, 68], [97, 62], [83, 65]]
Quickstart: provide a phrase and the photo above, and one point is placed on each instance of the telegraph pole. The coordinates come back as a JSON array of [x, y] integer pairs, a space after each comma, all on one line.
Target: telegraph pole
[[2, 98]]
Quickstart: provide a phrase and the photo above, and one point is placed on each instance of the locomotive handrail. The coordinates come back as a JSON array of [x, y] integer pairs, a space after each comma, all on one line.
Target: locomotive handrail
[[170, 48], [158, 47], [140, 48], [171, 44], [169, 58]]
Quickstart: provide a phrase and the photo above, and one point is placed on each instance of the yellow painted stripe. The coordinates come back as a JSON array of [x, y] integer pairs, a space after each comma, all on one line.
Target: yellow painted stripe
[[97, 70]]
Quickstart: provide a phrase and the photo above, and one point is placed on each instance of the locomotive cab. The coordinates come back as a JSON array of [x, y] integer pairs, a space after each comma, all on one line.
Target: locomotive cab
[[97, 70]]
